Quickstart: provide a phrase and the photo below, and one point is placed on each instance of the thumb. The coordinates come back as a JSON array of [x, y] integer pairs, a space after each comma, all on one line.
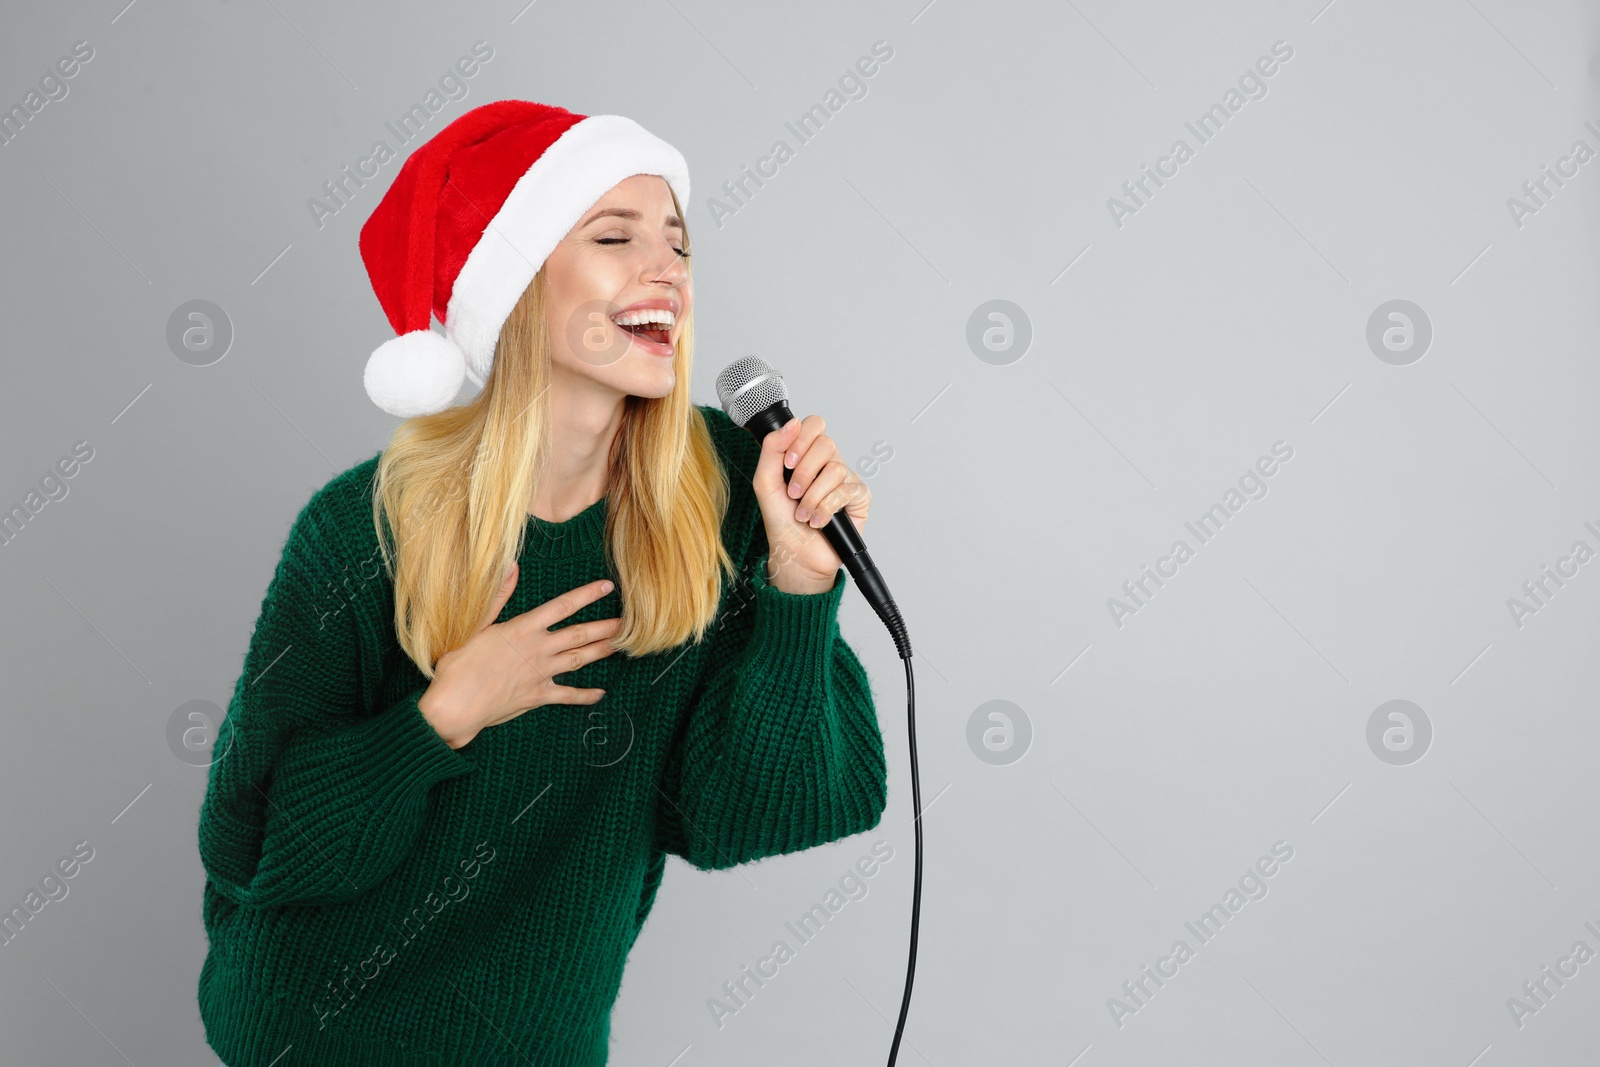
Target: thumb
[[507, 586]]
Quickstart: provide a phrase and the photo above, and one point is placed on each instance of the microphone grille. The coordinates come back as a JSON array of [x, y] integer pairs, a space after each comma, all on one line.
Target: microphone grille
[[748, 386]]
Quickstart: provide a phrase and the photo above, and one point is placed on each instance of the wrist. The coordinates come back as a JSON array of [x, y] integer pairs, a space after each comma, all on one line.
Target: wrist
[[799, 582], [444, 716]]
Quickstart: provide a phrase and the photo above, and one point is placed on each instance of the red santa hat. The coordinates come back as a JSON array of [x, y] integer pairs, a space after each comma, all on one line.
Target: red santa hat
[[467, 223]]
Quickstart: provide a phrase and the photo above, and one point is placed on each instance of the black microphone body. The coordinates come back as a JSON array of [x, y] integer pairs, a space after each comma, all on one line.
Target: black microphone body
[[846, 540]]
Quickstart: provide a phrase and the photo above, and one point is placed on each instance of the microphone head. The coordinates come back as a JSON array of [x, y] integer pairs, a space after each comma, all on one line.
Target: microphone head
[[749, 386]]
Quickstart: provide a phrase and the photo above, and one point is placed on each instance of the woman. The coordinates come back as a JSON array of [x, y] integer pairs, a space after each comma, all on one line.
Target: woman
[[546, 638]]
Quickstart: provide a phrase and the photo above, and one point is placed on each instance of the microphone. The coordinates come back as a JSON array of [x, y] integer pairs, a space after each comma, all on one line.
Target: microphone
[[755, 397]]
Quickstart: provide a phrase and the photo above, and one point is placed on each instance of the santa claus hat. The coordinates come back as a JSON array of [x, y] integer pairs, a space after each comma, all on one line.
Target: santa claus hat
[[468, 221]]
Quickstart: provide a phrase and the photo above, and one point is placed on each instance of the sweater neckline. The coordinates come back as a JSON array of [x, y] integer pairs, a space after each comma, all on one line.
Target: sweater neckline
[[570, 537]]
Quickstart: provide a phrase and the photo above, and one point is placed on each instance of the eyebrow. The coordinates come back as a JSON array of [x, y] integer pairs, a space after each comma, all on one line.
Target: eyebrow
[[628, 213]]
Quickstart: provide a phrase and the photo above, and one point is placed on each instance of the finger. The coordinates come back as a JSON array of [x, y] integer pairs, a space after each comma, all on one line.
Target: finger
[[566, 694], [507, 586], [564, 661], [583, 633], [811, 428], [857, 501], [560, 607], [814, 504], [850, 499], [816, 456]]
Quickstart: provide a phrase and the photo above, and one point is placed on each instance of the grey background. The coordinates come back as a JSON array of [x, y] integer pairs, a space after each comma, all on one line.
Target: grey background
[[1229, 313]]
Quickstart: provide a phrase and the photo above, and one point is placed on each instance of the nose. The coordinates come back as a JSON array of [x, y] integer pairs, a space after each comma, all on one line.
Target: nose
[[666, 265]]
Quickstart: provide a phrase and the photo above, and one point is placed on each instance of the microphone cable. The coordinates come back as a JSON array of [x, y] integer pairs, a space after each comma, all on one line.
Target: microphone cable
[[756, 398], [916, 822]]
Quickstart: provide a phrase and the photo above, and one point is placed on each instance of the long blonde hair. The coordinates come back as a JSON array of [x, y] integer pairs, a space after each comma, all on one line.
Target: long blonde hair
[[462, 478]]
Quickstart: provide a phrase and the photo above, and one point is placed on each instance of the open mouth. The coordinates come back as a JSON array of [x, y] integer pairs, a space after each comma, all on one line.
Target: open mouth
[[650, 332], [650, 327]]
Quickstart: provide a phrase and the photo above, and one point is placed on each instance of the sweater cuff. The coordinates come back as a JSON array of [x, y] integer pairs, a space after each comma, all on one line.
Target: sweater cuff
[[794, 631], [405, 755]]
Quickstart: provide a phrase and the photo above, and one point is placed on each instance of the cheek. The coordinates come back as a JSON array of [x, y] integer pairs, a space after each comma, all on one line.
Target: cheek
[[574, 275]]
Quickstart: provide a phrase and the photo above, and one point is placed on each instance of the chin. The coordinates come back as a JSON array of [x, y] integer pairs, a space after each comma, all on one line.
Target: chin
[[652, 386]]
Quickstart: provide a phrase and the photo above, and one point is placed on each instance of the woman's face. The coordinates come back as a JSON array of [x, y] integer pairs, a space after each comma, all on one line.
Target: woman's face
[[622, 261]]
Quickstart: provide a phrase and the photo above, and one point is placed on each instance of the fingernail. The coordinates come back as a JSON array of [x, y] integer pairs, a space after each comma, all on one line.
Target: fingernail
[[791, 459], [796, 490], [802, 514], [606, 587]]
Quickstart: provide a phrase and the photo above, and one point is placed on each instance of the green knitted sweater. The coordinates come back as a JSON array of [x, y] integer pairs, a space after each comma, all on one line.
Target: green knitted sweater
[[374, 897]]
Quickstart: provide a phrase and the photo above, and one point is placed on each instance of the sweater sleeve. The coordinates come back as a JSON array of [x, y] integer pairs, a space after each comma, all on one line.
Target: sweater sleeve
[[313, 798], [780, 749]]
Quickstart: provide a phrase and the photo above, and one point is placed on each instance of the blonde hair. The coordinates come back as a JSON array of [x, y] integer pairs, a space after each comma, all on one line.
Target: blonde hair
[[462, 478]]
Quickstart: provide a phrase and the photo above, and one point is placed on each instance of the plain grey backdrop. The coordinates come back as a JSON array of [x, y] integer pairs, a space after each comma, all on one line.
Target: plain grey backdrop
[[1156, 343]]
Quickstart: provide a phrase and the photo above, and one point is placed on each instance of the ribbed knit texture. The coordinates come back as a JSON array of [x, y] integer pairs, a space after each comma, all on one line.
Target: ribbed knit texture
[[374, 897]]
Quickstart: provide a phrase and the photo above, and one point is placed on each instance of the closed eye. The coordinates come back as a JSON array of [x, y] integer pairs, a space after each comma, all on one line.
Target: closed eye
[[624, 240]]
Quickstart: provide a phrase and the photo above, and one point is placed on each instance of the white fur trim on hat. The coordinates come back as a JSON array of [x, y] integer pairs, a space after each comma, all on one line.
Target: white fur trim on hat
[[417, 373], [548, 200]]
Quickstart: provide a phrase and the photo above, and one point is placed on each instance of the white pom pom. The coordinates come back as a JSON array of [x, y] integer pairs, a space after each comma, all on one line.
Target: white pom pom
[[417, 373]]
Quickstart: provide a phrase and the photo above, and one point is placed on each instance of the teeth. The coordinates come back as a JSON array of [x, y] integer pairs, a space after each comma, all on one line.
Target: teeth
[[660, 316]]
